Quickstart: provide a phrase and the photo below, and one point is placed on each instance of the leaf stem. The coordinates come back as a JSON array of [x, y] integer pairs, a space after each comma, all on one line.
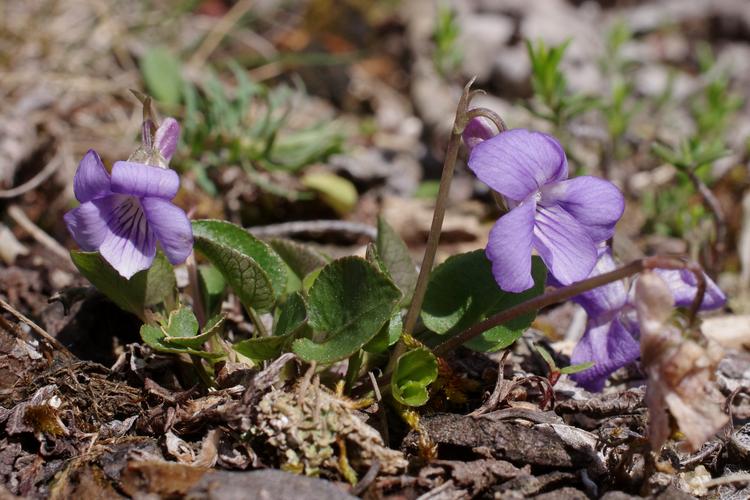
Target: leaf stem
[[201, 370], [195, 290], [257, 322]]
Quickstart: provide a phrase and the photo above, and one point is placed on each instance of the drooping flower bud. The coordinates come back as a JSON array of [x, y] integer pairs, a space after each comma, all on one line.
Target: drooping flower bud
[[476, 131]]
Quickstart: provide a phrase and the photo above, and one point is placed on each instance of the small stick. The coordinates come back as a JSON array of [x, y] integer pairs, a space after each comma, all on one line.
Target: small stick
[[730, 479], [38, 329], [38, 234], [314, 226], [35, 181], [218, 32]]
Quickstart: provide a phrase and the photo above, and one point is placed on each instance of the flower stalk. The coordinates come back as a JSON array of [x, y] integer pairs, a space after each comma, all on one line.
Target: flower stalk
[[433, 239]]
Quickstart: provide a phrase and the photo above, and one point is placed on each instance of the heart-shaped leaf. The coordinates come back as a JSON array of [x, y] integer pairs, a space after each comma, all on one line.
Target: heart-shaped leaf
[[300, 259], [414, 372], [180, 333], [254, 271], [462, 292], [349, 303], [186, 325], [395, 255], [387, 336], [292, 316], [146, 288]]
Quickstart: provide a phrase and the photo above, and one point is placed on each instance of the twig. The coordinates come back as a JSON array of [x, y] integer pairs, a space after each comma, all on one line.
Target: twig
[[367, 479], [38, 329], [381, 410], [718, 215], [730, 479], [568, 292], [35, 181], [500, 392], [314, 226], [38, 234], [218, 32]]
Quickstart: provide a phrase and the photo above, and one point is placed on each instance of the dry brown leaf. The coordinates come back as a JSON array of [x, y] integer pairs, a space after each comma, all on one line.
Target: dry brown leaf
[[680, 371]]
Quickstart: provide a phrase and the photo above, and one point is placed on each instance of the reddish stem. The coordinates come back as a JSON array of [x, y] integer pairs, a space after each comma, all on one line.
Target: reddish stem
[[570, 291]]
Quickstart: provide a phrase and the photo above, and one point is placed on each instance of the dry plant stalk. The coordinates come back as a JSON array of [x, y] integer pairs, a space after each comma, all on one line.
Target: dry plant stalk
[[680, 370]]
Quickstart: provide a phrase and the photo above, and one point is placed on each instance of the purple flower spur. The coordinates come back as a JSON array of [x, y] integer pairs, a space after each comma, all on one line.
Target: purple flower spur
[[125, 214], [562, 219], [612, 330]]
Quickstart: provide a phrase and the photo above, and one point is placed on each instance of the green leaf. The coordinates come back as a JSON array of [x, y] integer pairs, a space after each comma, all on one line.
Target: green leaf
[[309, 280], [462, 292], [213, 285], [349, 302], [181, 323], [261, 349], [162, 74], [337, 192], [395, 255], [387, 336], [577, 368], [546, 356], [291, 320], [293, 315], [254, 271], [146, 288], [414, 372], [179, 334], [301, 259], [211, 328]]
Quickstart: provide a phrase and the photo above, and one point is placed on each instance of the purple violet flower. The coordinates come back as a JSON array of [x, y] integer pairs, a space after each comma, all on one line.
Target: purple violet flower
[[123, 215], [562, 219], [612, 331]]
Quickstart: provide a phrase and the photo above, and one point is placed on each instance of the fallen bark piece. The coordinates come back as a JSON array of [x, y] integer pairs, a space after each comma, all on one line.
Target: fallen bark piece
[[166, 479], [223, 485], [479, 475], [506, 440]]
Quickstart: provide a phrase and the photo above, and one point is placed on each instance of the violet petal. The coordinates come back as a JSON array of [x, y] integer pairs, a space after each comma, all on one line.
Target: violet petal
[[87, 223], [564, 245], [171, 226], [130, 245], [509, 248], [476, 131], [610, 346], [141, 180], [596, 203], [607, 298], [516, 163], [683, 285], [91, 180], [167, 137]]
